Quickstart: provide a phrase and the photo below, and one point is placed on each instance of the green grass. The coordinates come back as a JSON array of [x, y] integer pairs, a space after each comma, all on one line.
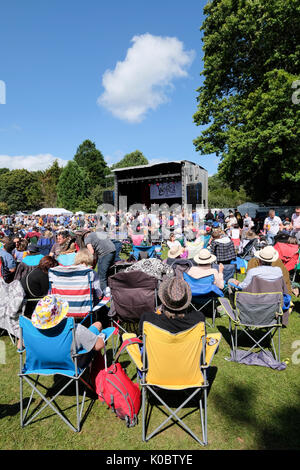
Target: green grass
[[249, 407]]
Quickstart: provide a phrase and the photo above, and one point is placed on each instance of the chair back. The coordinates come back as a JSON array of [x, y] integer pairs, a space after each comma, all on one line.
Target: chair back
[[173, 360], [258, 309], [133, 293], [143, 251], [74, 285], [203, 286], [48, 350]]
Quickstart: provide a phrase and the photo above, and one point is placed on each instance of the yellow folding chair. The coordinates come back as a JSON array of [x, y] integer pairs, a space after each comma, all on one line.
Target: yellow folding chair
[[175, 362]]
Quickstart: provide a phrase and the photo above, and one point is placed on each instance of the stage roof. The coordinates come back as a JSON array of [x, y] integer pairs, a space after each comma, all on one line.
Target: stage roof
[[155, 164]]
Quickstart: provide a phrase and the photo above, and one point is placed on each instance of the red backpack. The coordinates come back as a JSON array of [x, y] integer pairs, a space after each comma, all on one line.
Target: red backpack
[[116, 389]]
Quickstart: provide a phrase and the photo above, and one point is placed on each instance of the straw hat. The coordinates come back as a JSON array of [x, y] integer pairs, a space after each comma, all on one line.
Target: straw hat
[[49, 312], [267, 254], [175, 251], [204, 257], [175, 294]]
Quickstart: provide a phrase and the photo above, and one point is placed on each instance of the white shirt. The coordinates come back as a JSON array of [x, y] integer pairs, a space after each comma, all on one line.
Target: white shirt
[[273, 225], [296, 222], [267, 273]]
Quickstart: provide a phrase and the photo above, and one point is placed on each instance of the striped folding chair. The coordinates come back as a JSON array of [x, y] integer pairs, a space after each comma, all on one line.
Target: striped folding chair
[[74, 285]]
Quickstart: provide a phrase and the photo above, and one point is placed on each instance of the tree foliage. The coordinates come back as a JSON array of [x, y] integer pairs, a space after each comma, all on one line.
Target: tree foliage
[[73, 186], [91, 159], [131, 159], [252, 59]]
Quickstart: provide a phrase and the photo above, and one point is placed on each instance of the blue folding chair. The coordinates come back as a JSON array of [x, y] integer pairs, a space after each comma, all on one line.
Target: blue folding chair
[[147, 251], [48, 353], [204, 292]]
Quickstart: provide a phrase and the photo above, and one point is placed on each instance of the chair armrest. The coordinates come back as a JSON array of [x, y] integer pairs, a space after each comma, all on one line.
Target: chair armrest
[[227, 307], [235, 286], [212, 343], [133, 351]]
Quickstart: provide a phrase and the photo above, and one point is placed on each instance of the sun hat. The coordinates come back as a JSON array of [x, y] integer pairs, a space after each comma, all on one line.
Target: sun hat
[[267, 254], [204, 257], [49, 312], [175, 251], [175, 295]]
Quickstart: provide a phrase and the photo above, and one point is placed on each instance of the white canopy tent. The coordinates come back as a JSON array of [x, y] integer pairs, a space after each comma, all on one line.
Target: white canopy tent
[[52, 211]]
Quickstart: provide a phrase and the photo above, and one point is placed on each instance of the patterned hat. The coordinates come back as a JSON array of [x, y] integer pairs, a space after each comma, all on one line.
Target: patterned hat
[[49, 312], [175, 294]]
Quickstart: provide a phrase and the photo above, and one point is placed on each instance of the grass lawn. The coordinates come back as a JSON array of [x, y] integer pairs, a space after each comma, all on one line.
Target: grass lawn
[[249, 407]]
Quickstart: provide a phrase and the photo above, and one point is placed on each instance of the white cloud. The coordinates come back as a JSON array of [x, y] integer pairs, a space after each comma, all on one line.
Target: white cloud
[[142, 81], [29, 162]]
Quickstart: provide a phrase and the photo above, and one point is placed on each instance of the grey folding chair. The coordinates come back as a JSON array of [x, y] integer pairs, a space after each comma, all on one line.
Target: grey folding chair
[[255, 312]]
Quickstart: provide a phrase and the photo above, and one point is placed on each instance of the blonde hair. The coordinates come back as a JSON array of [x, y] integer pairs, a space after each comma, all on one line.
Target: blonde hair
[[84, 256]]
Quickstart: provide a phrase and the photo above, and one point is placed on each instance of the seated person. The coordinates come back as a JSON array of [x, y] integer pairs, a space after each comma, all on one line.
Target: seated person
[[8, 267], [172, 241], [254, 263], [175, 313], [21, 250], [84, 257], [34, 255], [49, 313], [174, 252], [36, 282], [204, 260], [222, 247], [64, 244], [266, 256]]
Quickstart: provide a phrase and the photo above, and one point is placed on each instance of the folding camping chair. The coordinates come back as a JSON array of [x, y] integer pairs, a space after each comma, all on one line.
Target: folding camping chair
[[74, 285], [140, 251], [175, 362], [48, 353], [181, 265], [204, 292], [254, 312], [132, 293]]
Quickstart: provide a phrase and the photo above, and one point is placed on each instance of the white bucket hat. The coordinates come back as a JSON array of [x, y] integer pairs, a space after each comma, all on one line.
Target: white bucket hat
[[175, 251], [204, 257], [267, 254]]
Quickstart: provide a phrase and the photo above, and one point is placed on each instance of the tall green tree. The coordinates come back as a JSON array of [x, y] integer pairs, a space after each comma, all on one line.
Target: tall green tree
[[251, 62], [73, 186], [91, 159], [50, 180]]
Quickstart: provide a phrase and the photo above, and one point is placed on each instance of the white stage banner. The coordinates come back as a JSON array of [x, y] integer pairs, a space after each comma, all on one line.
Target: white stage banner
[[165, 190]]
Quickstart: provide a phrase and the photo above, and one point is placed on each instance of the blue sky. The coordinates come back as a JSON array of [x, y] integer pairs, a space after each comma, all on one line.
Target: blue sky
[[123, 74]]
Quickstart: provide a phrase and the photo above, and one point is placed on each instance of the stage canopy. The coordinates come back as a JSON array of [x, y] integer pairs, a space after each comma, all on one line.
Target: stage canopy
[[52, 211]]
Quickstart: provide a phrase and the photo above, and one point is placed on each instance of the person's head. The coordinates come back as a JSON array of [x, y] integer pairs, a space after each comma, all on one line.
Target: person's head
[[49, 312], [267, 255], [297, 210], [172, 236], [175, 295], [9, 246], [272, 213], [62, 236], [46, 263], [22, 245], [293, 240], [84, 256], [204, 257], [48, 234]]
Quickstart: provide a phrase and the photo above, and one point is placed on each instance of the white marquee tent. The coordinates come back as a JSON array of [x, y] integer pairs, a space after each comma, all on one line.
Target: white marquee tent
[[52, 211]]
